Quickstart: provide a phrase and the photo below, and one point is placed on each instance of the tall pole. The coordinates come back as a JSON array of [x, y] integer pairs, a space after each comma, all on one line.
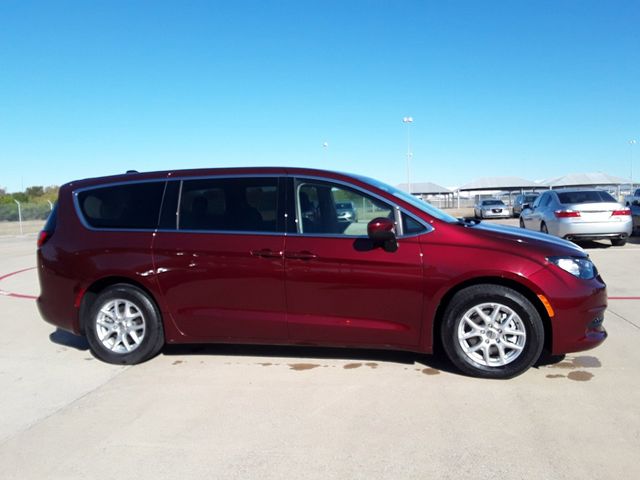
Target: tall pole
[[408, 121], [19, 214], [632, 142]]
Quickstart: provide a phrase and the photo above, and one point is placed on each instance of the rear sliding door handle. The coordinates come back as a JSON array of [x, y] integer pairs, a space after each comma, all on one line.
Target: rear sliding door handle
[[266, 253], [304, 255]]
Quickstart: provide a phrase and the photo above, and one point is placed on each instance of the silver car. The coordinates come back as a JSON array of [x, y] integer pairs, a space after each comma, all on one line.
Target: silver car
[[579, 214], [521, 200], [491, 208]]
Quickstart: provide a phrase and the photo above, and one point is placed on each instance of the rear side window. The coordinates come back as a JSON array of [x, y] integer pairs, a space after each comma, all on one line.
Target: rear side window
[[229, 204], [131, 206], [585, 197]]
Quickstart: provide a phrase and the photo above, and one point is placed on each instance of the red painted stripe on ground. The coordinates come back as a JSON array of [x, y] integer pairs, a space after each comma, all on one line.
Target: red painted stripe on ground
[[16, 272], [12, 294]]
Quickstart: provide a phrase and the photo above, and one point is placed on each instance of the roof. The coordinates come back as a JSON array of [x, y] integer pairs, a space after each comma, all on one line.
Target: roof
[[584, 180], [499, 183], [424, 188]]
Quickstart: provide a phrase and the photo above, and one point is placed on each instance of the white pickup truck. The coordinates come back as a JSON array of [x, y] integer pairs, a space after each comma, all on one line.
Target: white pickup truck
[[632, 199]]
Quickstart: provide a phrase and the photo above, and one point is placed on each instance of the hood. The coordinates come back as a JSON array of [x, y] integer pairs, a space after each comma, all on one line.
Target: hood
[[539, 241]]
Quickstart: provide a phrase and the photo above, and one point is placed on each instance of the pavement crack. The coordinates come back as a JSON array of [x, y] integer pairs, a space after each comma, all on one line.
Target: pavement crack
[[622, 318]]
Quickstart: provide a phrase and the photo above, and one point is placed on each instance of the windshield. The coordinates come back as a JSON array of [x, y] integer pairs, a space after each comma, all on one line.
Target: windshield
[[416, 202], [492, 202]]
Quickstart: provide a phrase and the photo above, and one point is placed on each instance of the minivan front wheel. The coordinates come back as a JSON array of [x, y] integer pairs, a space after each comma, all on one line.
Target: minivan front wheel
[[124, 326], [492, 331]]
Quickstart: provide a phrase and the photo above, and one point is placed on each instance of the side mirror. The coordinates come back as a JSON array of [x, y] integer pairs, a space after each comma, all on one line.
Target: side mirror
[[382, 232], [526, 206]]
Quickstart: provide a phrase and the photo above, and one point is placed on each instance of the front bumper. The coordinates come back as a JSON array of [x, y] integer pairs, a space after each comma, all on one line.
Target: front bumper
[[504, 213], [579, 307]]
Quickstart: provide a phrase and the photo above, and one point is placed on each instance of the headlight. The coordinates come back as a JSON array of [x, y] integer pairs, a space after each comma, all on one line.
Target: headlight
[[579, 267]]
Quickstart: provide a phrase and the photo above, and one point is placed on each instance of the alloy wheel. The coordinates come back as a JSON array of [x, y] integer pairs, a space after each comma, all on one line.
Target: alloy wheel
[[492, 334]]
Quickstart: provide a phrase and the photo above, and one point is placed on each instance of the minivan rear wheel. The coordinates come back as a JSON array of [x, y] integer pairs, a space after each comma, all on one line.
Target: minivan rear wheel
[[124, 326], [492, 331]]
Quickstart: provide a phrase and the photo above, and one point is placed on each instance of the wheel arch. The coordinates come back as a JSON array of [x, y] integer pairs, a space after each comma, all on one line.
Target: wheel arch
[[92, 292], [488, 280]]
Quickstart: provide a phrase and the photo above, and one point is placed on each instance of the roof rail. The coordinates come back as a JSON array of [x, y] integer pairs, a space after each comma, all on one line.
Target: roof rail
[[132, 171]]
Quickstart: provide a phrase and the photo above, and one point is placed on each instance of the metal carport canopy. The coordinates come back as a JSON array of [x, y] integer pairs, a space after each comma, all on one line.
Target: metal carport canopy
[[499, 183], [584, 180], [425, 188]]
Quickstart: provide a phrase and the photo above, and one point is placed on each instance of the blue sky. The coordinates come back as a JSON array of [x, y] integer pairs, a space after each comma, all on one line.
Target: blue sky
[[535, 89]]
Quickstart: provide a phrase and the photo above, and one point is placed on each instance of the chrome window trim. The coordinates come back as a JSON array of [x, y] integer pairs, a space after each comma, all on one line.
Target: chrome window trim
[[181, 178]]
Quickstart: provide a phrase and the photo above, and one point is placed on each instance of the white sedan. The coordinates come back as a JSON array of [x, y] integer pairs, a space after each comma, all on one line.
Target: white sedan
[[491, 208]]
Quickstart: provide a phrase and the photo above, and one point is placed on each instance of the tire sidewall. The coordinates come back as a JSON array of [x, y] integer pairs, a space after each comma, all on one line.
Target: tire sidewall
[[465, 300], [153, 337]]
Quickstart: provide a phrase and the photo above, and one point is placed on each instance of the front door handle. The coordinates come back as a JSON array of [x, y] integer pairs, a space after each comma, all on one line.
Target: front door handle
[[266, 253], [304, 255]]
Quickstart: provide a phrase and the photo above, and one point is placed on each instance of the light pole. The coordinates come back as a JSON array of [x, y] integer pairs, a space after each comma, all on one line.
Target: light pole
[[19, 214], [632, 142], [408, 121]]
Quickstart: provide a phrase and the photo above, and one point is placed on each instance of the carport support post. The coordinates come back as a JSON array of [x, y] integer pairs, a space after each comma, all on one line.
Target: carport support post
[[19, 214]]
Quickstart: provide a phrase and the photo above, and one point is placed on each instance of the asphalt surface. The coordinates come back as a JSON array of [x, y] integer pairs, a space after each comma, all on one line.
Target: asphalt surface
[[236, 412]]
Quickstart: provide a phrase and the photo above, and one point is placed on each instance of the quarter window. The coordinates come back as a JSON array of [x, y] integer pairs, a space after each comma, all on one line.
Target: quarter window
[[234, 204], [411, 226], [329, 209], [131, 206]]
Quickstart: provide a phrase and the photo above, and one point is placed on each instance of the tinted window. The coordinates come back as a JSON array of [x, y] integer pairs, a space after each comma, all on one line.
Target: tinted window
[[134, 205], [493, 202], [411, 226], [236, 204], [588, 196], [318, 210]]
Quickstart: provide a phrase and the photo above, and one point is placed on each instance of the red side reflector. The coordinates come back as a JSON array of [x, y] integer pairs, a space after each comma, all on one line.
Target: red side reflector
[[566, 213], [624, 211], [43, 236]]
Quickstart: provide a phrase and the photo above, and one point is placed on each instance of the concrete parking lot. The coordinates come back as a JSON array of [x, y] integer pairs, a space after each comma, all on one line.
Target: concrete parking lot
[[296, 413]]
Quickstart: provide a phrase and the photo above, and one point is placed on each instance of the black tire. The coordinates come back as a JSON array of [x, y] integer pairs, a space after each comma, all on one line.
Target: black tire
[[522, 223], [526, 320], [618, 242], [146, 319], [543, 228]]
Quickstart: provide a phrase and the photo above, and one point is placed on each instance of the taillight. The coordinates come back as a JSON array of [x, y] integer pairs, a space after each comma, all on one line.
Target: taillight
[[566, 213], [624, 211], [43, 236]]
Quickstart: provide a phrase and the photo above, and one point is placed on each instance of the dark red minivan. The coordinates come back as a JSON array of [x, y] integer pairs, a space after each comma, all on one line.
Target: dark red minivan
[[262, 256]]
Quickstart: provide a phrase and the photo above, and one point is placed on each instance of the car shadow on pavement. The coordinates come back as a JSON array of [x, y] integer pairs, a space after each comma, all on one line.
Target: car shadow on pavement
[[67, 339], [593, 244], [546, 359], [435, 362]]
